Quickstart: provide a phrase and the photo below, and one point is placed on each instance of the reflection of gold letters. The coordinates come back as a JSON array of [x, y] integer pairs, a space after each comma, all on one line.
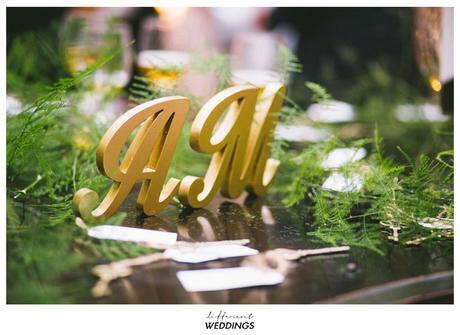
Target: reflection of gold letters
[[240, 145]]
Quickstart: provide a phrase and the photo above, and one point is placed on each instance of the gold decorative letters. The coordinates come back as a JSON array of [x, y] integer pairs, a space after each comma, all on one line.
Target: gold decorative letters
[[235, 126]]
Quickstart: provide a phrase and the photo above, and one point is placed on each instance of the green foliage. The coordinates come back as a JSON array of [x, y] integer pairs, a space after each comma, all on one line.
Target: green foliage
[[289, 112], [34, 62], [51, 148], [37, 134], [288, 62], [334, 222], [142, 90], [186, 161], [319, 93], [108, 250], [35, 269], [50, 154], [111, 41], [309, 172], [394, 195]]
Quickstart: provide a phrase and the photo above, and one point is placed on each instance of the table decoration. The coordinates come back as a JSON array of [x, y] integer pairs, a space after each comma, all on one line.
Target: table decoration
[[301, 133], [164, 118], [147, 236], [227, 278], [342, 156], [421, 113], [163, 67], [331, 112]]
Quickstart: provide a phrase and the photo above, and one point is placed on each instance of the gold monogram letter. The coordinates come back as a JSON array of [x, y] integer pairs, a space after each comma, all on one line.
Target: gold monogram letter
[[240, 144], [148, 158]]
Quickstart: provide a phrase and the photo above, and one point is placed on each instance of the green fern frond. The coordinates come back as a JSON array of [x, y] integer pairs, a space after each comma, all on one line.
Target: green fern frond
[[287, 62]]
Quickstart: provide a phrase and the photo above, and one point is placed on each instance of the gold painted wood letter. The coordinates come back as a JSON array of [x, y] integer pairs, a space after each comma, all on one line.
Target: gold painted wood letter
[[147, 158], [240, 144]]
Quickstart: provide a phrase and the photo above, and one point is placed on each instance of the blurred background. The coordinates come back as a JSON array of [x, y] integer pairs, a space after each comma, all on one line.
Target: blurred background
[[391, 67]]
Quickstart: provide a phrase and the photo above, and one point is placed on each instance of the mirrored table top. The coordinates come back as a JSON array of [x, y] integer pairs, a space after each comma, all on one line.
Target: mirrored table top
[[402, 274]]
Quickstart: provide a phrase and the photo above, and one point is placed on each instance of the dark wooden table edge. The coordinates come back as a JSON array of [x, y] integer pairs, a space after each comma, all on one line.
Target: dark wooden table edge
[[417, 289]]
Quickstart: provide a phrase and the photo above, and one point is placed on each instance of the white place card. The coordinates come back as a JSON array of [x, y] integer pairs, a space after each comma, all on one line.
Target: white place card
[[228, 278], [209, 253], [342, 156], [132, 234]]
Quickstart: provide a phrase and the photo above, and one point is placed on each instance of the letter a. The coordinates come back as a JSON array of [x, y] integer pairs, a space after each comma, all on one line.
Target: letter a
[[147, 158]]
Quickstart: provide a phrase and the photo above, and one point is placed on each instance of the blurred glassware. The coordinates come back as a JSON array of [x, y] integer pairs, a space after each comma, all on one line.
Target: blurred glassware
[[255, 50], [162, 67], [301, 133], [158, 59], [254, 58], [152, 34], [419, 113], [149, 34], [229, 21], [87, 38], [79, 44], [177, 28]]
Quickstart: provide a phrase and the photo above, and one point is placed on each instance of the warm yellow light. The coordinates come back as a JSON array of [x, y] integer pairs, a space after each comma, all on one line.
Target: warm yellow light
[[435, 84], [171, 13]]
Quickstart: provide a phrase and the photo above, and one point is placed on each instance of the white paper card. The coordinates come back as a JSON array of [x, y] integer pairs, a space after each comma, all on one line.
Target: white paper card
[[331, 111], [209, 253], [227, 278], [342, 156], [340, 183], [132, 234], [301, 133]]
